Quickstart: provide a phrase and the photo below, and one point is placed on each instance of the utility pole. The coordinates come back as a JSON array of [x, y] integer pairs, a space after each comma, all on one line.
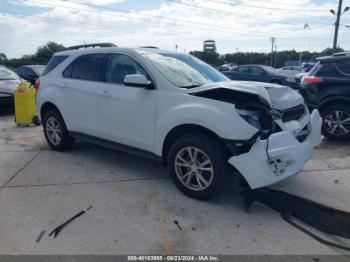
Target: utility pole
[[338, 14], [273, 40], [237, 55], [275, 55]]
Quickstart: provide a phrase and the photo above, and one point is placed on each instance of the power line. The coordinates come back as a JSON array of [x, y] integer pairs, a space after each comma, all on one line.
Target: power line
[[124, 13], [270, 8], [259, 18]]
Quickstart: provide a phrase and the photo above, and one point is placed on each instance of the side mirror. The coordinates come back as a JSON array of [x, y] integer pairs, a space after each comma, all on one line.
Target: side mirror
[[138, 80]]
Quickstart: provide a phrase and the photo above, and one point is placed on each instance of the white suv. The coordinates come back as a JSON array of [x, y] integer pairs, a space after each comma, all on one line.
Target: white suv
[[177, 109]]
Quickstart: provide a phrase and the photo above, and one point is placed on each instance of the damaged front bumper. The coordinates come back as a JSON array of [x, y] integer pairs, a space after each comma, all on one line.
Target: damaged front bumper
[[278, 157]]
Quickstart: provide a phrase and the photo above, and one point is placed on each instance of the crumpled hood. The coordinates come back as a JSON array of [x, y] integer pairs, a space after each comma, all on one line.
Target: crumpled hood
[[278, 96]]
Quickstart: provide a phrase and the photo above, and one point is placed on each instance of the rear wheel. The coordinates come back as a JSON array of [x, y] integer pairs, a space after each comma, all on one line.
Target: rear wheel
[[336, 121], [55, 131], [197, 166]]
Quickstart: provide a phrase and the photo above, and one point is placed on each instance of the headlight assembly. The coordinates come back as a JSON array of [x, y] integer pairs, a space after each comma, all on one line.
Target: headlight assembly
[[251, 117]]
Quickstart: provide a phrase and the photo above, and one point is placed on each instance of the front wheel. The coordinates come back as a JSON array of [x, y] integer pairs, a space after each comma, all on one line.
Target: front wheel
[[197, 165], [336, 121]]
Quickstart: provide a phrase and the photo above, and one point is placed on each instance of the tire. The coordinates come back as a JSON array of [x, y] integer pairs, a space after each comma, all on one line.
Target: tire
[[214, 173], [54, 123], [336, 121]]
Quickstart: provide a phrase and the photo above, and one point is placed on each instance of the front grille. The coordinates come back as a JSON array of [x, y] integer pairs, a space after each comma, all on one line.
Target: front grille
[[294, 113]]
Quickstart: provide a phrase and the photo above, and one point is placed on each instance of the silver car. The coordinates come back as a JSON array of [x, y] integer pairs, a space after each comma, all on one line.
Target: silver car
[[9, 80]]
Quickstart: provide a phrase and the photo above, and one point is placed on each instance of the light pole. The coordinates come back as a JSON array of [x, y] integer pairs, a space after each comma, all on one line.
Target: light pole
[[273, 40], [338, 14], [275, 55], [237, 55]]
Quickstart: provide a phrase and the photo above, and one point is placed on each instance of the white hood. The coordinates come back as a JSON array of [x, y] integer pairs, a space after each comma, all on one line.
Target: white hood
[[278, 96]]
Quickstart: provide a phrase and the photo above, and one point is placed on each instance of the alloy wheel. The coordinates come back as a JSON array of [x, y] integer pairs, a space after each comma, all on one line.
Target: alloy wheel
[[337, 123], [194, 168], [53, 131]]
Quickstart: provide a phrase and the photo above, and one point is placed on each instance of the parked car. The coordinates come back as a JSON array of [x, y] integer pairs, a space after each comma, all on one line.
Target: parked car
[[261, 73], [9, 80], [222, 68], [30, 72], [291, 70], [307, 66], [327, 88], [175, 108]]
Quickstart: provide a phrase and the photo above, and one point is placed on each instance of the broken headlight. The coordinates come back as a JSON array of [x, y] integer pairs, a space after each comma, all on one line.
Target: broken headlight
[[251, 117]]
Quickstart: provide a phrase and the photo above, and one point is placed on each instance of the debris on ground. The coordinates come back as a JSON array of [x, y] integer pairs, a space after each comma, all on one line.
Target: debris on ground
[[294, 208], [178, 225], [40, 236], [58, 229]]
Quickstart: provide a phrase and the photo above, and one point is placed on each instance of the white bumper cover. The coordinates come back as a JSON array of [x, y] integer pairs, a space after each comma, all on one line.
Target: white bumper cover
[[287, 156]]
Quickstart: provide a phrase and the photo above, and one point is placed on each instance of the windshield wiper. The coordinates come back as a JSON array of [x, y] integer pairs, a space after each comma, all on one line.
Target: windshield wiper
[[190, 86]]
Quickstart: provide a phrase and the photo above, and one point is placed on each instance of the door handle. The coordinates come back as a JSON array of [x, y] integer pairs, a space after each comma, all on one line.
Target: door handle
[[104, 93]]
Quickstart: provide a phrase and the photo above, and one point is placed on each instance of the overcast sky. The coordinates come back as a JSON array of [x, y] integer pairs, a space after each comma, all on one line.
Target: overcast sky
[[243, 24]]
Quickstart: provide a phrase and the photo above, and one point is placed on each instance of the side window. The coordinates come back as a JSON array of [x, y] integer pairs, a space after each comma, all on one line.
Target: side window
[[256, 70], [243, 69], [86, 67], [344, 67], [67, 73], [119, 65]]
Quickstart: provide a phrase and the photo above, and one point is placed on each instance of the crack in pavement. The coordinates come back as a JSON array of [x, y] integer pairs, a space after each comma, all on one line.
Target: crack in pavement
[[20, 170], [85, 183]]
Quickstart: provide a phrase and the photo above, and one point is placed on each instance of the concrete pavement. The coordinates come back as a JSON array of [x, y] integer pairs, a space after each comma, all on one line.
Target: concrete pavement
[[135, 204]]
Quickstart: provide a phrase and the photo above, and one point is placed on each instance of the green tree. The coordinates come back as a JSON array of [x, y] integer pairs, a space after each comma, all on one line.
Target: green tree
[[3, 59], [44, 53]]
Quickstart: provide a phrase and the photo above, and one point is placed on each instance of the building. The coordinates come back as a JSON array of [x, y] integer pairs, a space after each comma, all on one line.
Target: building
[[209, 46]]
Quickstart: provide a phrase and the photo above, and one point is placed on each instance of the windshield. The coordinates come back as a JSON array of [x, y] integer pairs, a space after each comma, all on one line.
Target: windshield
[[183, 70], [270, 69], [6, 74]]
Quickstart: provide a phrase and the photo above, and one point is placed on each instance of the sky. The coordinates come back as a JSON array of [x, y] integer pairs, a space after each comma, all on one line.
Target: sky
[[244, 24]]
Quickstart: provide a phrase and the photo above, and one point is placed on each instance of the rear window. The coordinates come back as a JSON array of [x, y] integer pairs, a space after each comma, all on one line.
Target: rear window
[[344, 67], [54, 61], [332, 69]]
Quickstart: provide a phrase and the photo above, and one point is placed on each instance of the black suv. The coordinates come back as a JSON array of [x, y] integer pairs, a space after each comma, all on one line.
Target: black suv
[[327, 87]]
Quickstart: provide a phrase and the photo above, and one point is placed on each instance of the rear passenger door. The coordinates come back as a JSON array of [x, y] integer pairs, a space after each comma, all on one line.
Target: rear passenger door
[[79, 87], [126, 114]]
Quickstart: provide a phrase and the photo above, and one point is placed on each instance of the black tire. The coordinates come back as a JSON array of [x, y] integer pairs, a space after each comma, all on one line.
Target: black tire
[[66, 142], [216, 154], [36, 121], [328, 113]]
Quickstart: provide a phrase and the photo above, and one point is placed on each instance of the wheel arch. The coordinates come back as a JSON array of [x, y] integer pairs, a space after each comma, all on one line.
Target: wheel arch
[[182, 130], [332, 100], [46, 107]]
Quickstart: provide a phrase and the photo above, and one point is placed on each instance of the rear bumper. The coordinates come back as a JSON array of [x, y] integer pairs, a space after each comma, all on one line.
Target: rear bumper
[[287, 156], [6, 103]]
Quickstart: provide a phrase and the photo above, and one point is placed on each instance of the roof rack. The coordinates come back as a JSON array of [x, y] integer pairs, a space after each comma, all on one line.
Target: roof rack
[[153, 47], [346, 53], [91, 45]]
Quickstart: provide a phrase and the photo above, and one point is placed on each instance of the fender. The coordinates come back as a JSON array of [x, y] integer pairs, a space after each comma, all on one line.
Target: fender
[[217, 116]]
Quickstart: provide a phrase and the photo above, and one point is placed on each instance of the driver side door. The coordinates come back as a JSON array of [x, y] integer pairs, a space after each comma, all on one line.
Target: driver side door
[[126, 114]]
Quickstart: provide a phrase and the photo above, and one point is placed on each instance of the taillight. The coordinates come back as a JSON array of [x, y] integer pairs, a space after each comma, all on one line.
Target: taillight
[[37, 84], [312, 80]]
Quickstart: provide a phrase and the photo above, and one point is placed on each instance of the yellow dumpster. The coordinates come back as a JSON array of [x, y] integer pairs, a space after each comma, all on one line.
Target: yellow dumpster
[[25, 109]]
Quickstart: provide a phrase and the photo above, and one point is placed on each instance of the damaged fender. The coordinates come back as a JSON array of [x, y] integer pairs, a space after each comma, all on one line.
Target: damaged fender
[[279, 156]]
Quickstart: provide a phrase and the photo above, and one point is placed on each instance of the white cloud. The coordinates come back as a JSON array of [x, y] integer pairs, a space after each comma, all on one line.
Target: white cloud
[[72, 22]]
